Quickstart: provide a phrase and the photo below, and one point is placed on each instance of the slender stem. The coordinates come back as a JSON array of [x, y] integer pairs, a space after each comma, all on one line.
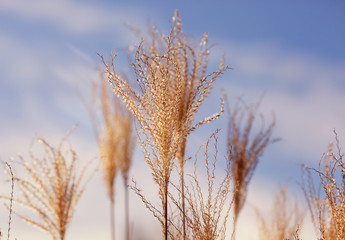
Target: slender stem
[[125, 181], [233, 234], [112, 218], [166, 210], [11, 202], [180, 156], [183, 204]]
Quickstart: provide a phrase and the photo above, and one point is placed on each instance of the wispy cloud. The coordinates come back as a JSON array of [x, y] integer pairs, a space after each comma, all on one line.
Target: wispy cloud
[[18, 61], [305, 93], [273, 66], [75, 17]]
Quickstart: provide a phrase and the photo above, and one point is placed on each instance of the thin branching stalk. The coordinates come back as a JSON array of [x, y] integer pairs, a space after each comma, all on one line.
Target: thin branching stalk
[[112, 219], [127, 230], [208, 205], [127, 146], [172, 82], [11, 201]]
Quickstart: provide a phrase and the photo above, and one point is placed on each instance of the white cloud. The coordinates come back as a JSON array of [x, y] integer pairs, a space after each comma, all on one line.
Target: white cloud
[[18, 61], [72, 16], [304, 92], [305, 123], [272, 66]]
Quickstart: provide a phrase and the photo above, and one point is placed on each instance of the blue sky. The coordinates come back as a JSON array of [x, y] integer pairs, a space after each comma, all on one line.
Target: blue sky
[[292, 51]]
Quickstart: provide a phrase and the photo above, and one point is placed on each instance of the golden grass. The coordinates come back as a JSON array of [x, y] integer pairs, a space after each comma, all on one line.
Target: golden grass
[[115, 142], [245, 147], [327, 208], [284, 221], [52, 187], [171, 76], [208, 211], [172, 83]]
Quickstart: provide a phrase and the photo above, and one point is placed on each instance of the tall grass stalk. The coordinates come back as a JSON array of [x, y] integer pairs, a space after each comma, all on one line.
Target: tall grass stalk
[[10, 207], [115, 142], [127, 146], [246, 145], [172, 82], [326, 198]]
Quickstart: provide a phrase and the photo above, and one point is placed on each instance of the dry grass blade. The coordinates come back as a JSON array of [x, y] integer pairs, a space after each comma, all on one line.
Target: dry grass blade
[[245, 147], [172, 83], [52, 188], [284, 219], [327, 208]]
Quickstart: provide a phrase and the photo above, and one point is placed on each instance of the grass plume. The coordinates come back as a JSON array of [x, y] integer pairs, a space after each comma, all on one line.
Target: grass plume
[[327, 202], [115, 143], [284, 219], [172, 81], [52, 188], [245, 147], [207, 211]]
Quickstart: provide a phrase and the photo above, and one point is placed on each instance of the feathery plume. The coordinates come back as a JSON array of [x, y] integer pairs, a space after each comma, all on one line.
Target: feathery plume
[[245, 147], [172, 82], [327, 208], [52, 188]]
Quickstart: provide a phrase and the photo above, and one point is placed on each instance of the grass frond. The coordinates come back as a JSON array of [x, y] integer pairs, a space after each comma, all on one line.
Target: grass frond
[[51, 188], [171, 85], [246, 145], [327, 202], [284, 220]]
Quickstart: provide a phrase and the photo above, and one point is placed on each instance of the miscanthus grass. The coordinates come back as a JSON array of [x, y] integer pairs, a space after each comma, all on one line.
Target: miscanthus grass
[[112, 124], [246, 145], [284, 221], [171, 85], [326, 195], [208, 195], [50, 187]]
